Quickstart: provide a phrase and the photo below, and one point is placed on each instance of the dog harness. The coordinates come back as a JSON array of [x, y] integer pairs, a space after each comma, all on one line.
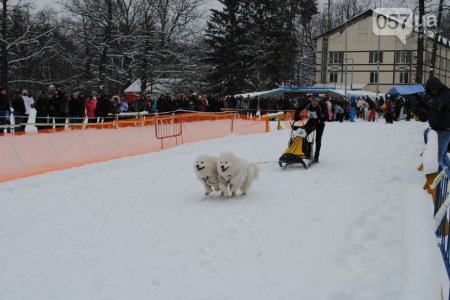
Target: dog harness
[[227, 183], [206, 180], [224, 180]]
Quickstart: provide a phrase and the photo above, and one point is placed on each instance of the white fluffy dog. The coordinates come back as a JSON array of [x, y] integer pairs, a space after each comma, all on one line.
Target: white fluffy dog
[[234, 174], [205, 167]]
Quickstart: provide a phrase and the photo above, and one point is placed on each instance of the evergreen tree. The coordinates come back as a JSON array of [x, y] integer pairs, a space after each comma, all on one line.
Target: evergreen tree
[[225, 36], [256, 42]]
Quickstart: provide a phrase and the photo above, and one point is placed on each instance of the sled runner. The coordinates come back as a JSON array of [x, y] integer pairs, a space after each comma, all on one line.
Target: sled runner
[[300, 149]]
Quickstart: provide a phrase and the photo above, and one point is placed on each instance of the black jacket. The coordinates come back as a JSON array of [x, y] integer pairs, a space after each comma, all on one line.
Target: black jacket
[[104, 107], [372, 104], [19, 106], [4, 103], [438, 105], [76, 107], [320, 111]]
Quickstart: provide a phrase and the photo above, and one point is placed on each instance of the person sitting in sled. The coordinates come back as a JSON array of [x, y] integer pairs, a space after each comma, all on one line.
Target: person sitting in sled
[[316, 111]]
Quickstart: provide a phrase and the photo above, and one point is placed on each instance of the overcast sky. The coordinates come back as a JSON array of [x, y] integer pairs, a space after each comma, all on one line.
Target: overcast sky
[[43, 3]]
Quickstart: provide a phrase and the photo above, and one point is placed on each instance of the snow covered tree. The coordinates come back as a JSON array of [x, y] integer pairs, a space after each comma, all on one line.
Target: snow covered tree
[[20, 40]]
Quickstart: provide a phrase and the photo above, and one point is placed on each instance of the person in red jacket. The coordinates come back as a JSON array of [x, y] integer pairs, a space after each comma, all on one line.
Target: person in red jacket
[[91, 105]]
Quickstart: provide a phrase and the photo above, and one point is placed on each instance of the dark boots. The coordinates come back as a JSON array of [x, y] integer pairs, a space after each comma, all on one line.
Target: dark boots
[[316, 157]]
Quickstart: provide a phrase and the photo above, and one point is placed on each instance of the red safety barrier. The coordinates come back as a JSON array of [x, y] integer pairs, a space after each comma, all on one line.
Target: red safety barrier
[[37, 153]]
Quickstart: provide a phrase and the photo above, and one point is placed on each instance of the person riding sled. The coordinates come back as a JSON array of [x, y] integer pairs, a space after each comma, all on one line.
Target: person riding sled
[[316, 112]]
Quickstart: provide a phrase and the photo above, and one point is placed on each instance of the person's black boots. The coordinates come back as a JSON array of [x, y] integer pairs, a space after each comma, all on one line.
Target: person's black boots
[[316, 157]]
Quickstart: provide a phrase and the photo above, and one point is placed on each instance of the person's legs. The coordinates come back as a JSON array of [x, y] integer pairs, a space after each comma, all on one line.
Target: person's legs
[[372, 115], [3, 122], [443, 141], [19, 121], [319, 133]]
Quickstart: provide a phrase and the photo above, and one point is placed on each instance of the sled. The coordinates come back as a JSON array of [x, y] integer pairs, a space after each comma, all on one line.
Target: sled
[[300, 151]]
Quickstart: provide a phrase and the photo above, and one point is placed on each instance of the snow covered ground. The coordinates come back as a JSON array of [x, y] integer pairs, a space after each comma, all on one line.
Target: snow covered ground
[[356, 226]]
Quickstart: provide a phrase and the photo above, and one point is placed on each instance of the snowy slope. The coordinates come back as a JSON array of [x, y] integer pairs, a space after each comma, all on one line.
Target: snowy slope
[[140, 228]]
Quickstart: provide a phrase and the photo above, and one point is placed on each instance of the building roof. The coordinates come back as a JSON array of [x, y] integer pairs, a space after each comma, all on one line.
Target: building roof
[[442, 40], [353, 20]]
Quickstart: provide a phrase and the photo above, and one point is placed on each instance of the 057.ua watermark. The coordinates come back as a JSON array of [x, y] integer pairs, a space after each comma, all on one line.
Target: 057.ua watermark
[[399, 22]]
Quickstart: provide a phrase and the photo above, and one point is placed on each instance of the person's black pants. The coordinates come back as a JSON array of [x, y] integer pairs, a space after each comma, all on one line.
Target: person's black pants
[[319, 132], [20, 121], [319, 127]]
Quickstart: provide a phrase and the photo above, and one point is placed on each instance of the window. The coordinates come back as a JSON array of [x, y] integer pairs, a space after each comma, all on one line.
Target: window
[[404, 77], [375, 56], [403, 57], [373, 77], [336, 57], [333, 76]]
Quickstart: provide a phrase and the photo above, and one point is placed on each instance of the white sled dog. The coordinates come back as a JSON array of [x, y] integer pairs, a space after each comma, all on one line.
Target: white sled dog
[[205, 167], [234, 174]]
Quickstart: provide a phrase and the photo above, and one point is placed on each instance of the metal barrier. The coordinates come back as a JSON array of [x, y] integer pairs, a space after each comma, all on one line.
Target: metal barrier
[[168, 127], [441, 213]]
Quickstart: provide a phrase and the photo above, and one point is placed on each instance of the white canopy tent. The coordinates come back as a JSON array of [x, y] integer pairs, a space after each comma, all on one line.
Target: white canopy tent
[[309, 90], [163, 86], [135, 87], [358, 93]]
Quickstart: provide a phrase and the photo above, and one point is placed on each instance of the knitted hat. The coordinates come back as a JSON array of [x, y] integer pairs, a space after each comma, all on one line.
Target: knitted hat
[[315, 96]]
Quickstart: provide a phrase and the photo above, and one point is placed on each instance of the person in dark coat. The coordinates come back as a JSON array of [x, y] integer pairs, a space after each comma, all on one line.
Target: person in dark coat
[[317, 115], [380, 103], [254, 102], [105, 109], [52, 104], [161, 104], [4, 109], [77, 112], [372, 110], [62, 109], [438, 102], [399, 103], [409, 106], [389, 110], [20, 118], [42, 106]]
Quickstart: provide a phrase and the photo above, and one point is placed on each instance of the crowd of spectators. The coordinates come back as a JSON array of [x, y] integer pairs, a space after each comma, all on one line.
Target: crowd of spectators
[[57, 107]]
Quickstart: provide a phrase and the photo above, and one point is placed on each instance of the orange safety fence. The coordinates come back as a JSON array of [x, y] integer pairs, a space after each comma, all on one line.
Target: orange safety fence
[[36, 153]]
